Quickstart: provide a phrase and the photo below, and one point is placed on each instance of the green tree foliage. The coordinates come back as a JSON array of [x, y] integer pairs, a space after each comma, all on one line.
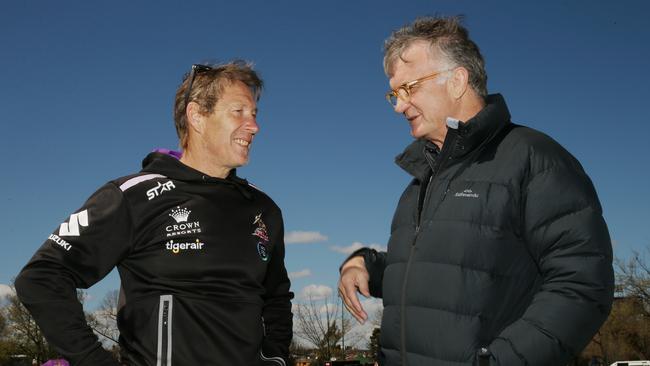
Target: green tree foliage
[[373, 345], [22, 335]]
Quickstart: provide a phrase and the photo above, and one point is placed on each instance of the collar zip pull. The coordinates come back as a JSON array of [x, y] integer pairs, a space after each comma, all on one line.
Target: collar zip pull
[[452, 123]]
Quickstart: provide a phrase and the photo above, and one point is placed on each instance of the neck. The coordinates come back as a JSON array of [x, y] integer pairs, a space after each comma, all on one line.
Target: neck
[[468, 109], [198, 162]]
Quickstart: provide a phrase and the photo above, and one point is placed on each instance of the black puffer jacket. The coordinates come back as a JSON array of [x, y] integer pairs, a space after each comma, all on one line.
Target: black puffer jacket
[[505, 248]]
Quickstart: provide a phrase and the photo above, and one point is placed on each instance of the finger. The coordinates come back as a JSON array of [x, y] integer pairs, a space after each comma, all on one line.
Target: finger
[[346, 300], [351, 293], [348, 303], [363, 288], [353, 313]]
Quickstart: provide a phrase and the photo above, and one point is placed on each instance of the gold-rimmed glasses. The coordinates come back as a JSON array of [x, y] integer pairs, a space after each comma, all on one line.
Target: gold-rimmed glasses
[[404, 92]]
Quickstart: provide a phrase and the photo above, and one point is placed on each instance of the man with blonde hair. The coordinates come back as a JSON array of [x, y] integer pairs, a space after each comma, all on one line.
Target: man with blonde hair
[[200, 252], [499, 254]]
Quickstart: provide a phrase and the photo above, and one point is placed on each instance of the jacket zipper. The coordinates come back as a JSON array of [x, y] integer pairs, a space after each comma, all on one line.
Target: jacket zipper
[[165, 331], [406, 272], [442, 158]]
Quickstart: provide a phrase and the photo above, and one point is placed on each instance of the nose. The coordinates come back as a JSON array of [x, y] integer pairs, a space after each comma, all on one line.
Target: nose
[[401, 106], [251, 125]]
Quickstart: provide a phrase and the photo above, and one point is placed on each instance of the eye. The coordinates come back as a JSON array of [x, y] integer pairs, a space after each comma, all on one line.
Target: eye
[[410, 88]]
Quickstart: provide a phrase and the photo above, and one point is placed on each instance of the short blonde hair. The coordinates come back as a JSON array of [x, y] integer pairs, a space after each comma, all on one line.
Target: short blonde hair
[[207, 88]]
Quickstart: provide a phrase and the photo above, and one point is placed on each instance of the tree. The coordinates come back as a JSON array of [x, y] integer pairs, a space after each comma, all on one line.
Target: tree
[[104, 320], [316, 323], [633, 279], [25, 336], [297, 352], [6, 345], [632, 315], [19, 333], [626, 333], [374, 343]]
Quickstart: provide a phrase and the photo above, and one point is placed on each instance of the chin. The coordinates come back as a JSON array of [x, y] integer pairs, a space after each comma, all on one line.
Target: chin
[[416, 134], [242, 161]]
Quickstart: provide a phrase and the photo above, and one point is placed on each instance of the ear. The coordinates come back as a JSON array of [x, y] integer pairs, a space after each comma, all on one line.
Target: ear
[[458, 82], [195, 120]]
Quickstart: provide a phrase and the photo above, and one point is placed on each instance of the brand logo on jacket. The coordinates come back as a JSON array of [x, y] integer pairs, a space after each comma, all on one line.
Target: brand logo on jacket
[[262, 233], [182, 226], [468, 193], [70, 228], [183, 246], [57, 239], [159, 189], [77, 220]]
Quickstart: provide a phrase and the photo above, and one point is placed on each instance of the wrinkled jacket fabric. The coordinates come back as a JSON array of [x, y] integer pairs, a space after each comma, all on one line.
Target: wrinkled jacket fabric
[[497, 243]]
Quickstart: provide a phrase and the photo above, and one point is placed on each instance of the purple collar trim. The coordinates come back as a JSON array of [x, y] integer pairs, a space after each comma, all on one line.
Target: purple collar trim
[[176, 154]]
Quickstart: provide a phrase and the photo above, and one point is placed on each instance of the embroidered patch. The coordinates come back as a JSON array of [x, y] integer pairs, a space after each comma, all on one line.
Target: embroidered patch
[[262, 233], [262, 251]]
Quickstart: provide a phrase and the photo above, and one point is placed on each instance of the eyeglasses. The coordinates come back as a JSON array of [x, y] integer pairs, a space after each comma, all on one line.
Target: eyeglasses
[[196, 69], [404, 92]]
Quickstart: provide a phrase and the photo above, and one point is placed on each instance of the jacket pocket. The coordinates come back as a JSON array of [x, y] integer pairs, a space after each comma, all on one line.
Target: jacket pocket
[[164, 350], [492, 206]]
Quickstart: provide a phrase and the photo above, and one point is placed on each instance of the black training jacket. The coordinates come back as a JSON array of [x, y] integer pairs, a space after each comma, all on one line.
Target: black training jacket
[[498, 249], [201, 261]]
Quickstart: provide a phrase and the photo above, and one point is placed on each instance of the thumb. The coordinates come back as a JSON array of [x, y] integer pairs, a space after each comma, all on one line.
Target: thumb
[[363, 288]]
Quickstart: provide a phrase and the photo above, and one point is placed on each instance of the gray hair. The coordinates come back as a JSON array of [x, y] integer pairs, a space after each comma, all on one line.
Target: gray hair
[[448, 36]]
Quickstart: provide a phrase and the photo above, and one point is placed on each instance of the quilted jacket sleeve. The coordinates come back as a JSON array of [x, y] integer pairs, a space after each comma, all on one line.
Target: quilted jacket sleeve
[[567, 236], [77, 254]]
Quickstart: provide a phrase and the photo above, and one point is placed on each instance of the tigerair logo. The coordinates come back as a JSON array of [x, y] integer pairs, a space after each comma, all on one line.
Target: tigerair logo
[[159, 189], [182, 226], [467, 193], [178, 247]]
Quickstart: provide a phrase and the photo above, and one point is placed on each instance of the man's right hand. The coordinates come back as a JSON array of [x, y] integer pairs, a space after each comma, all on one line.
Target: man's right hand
[[354, 277]]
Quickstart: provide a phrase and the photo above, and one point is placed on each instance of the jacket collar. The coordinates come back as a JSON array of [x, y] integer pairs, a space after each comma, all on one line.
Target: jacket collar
[[470, 134], [167, 163]]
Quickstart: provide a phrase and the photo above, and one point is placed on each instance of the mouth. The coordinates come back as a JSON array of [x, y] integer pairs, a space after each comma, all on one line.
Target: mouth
[[412, 118], [242, 142]]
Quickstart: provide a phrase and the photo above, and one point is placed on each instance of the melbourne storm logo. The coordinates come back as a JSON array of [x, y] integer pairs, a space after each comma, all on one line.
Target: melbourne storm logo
[[182, 226], [262, 233]]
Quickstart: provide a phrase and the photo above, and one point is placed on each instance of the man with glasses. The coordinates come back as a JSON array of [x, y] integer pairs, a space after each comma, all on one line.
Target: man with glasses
[[499, 254], [200, 252]]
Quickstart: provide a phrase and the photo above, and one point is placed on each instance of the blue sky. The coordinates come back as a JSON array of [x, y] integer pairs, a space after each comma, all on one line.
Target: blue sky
[[86, 90]]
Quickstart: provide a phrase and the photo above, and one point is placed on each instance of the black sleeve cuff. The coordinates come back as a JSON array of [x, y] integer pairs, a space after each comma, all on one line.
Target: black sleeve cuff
[[375, 264]]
